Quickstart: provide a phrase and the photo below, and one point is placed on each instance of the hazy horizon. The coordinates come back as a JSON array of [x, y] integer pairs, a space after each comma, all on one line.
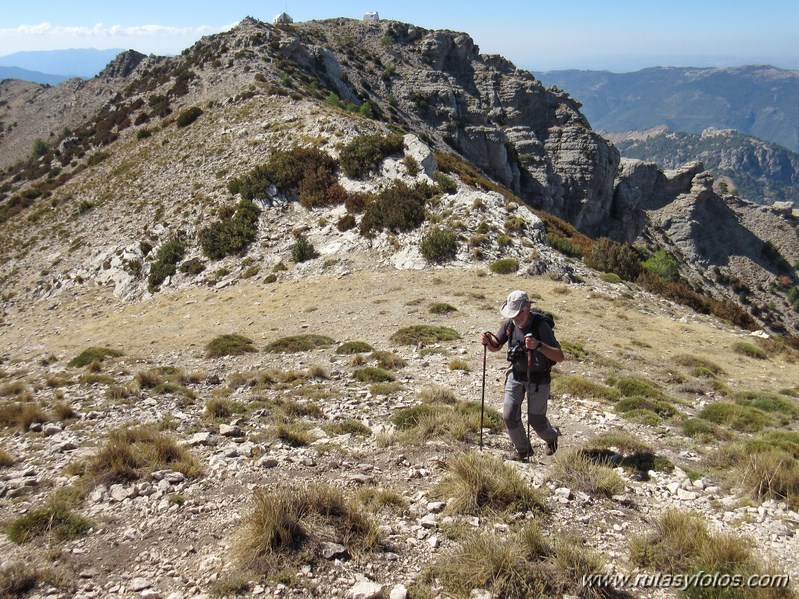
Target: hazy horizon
[[620, 36]]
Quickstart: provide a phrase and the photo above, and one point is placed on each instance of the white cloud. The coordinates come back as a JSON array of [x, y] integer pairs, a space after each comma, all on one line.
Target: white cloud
[[159, 39], [100, 30]]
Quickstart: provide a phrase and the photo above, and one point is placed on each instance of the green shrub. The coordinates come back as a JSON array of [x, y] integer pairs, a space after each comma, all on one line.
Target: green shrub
[[398, 208], [165, 264], [299, 343], [702, 429], [371, 374], [188, 116], [346, 222], [445, 184], [354, 347], [307, 172], [439, 245], [662, 264], [231, 234], [55, 521], [93, 354], [192, 267], [504, 266], [769, 402], [610, 256], [229, 345], [423, 334], [365, 152], [660, 408], [632, 386], [442, 308], [388, 360], [741, 418], [748, 349], [303, 250], [583, 387], [40, 148], [143, 133]]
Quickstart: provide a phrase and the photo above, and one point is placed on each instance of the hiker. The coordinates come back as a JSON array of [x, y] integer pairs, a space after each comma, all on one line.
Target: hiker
[[532, 349]]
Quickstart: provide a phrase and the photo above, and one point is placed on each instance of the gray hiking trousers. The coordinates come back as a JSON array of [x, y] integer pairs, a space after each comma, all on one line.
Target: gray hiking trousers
[[536, 412]]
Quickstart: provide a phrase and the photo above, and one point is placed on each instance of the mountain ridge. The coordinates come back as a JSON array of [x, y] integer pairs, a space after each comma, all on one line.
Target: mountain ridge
[[759, 100], [436, 84]]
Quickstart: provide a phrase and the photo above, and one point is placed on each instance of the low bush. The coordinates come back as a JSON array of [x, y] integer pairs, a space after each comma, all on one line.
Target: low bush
[[388, 360], [17, 578], [702, 430], [229, 345], [354, 347], [633, 386], [439, 245], [370, 374], [776, 405], [21, 415], [699, 365], [54, 521], [423, 335], [739, 417], [307, 173], [610, 256], [165, 264], [660, 408], [442, 308], [298, 343], [232, 234], [303, 250], [397, 208], [93, 354], [504, 266], [750, 350], [524, 565], [583, 387], [188, 116], [365, 152]]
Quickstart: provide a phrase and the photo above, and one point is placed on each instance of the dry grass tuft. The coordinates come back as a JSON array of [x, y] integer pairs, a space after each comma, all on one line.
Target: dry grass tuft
[[290, 523], [581, 472], [131, 453], [478, 483], [680, 543]]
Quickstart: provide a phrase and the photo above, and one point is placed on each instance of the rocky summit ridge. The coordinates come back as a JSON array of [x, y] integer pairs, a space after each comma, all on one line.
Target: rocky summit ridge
[[257, 84], [134, 170]]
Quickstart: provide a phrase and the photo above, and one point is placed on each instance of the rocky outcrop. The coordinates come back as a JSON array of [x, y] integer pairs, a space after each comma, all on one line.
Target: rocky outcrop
[[123, 65]]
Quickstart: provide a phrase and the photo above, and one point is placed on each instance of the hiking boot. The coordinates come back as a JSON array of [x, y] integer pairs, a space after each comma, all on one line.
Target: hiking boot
[[519, 456], [552, 445]]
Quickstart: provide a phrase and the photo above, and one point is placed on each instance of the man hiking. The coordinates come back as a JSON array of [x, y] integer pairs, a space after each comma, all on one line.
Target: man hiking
[[532, 349]]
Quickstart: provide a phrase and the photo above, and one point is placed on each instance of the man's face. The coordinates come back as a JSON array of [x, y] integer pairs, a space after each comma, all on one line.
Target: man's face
[[521, 318]]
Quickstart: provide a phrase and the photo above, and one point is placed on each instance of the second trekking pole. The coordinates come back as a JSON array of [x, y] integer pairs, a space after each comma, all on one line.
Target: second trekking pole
[[483, 397]]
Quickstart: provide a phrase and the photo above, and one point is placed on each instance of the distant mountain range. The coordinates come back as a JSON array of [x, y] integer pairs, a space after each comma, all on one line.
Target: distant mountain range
[[759, 171], [33, 76], [54, 66], [758, 100]]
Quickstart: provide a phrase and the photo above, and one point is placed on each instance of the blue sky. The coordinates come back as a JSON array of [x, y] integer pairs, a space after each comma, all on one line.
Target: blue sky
[[618, 35]]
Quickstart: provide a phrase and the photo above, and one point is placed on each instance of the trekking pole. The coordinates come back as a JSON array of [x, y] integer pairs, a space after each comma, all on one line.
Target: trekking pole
[[529, 376], [483, 397]]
